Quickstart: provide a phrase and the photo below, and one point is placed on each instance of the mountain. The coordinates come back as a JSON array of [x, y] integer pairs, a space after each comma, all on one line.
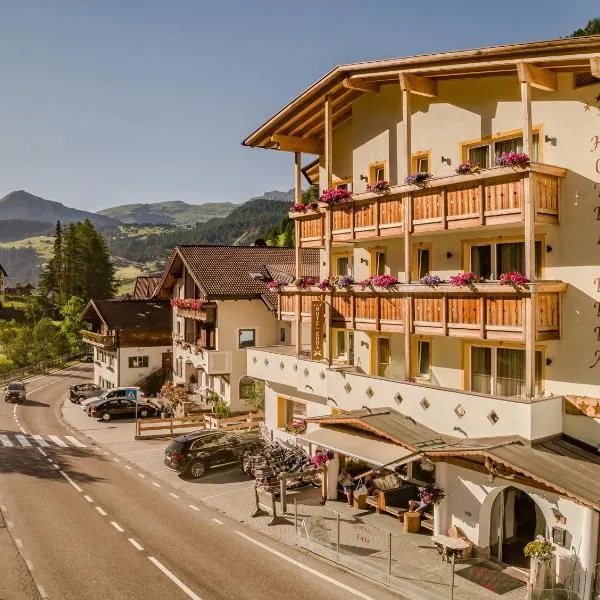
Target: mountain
[[174, 212], [25, 206]]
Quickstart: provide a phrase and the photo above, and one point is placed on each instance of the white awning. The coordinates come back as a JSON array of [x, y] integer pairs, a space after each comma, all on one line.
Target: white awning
[[358, 445]]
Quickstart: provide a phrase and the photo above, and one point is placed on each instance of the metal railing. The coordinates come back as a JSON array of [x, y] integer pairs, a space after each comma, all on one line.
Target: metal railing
[[36, 368]]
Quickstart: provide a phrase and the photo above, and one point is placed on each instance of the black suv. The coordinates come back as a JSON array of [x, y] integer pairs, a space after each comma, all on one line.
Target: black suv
[[193, 453], [15, 392]]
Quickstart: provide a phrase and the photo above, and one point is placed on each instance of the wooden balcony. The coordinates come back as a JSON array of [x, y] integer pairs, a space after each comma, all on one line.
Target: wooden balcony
[[208, 314], [108, 342], [493, 197], [490, 311]]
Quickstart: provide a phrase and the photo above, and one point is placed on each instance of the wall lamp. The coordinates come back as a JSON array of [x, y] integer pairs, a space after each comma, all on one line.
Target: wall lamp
[[548, 362], [364, 178], [550, 140], [364, 261], [449, 255], [548, 248], [364, 344], [447, 160]]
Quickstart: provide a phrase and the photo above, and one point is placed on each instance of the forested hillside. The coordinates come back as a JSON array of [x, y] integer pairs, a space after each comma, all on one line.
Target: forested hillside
[[245, 224], [22, 264], [18, 229]]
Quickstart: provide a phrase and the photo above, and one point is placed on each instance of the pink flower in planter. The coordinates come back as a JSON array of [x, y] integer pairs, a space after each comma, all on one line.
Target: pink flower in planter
[[335, 196], [383, 280], [379, 187], [463, 279], [275, 284], [188, 303], [514, 278], [305, 282], [513, 159]]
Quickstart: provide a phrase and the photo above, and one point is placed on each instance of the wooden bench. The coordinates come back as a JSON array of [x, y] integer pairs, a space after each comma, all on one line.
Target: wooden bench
[[394, 501]]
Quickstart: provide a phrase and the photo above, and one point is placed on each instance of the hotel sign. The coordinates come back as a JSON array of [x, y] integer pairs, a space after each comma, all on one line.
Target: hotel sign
[[317, 336]]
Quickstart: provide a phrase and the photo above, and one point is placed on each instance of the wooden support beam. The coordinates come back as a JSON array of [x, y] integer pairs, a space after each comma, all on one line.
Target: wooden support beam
[[290, 143], [359, 85], [542, 79], [297, 180], [328, 143], [595, 66], [415, 84]]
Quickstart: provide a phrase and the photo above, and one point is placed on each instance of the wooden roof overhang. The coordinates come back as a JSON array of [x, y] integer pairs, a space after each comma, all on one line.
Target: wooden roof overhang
[[93, 314], [299, 126], [173, 272]]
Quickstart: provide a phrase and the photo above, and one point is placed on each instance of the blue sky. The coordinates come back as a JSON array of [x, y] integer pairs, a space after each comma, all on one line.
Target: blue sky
[[107, 102]]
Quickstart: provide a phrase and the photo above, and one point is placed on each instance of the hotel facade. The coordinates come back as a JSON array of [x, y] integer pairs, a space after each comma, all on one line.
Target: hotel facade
[[467, 301]]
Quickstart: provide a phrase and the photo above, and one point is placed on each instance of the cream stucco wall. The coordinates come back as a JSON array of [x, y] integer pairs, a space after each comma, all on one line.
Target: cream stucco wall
[[127, 376]]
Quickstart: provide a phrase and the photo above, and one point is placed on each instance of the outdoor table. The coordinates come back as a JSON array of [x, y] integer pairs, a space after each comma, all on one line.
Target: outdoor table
[[449, 547]]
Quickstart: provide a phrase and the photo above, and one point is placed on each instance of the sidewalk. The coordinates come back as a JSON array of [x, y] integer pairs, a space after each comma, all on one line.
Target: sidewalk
[[417, 570]]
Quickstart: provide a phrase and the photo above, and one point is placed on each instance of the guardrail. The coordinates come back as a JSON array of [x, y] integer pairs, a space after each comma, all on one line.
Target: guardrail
[[169, 426], [36, 368]]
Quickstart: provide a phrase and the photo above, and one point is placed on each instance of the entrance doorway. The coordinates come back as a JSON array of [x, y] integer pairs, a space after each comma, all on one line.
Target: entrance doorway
[[516, 519]]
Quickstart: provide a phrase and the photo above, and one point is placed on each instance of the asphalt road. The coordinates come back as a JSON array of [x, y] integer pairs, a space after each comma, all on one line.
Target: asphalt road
[[86, 528]]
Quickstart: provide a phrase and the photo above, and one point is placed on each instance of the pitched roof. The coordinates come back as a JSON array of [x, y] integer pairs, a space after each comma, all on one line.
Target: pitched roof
[[222, 272], [144, 287], [131, 314]]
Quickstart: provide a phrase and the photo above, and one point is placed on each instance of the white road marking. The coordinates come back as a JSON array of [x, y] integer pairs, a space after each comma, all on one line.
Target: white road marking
[[58, 441], [135, 544], [5, 441], [306, 568], [56, 467], [194, 507], [116, 459], [29, 564], [18, 543], [74, 441], [88, 498], [41, 441], [217, 521], [23, 430], [50, 460], [42, 452], [128, 467], [141, 475], [184, 588], [101, 511], [71, 482], [156, 484], [107, 453], [23, 441], [174, 495], [10, 524], [117, 526], [15, 411], [42, 591]]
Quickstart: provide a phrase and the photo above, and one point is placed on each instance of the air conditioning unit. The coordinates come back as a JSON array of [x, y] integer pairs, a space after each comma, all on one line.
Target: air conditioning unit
[[218, 363]]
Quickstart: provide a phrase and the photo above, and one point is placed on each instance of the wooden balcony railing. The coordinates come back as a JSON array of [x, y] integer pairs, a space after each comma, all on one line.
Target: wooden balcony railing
[[491, 198], [207, 314], [98, 339], [487, 313]]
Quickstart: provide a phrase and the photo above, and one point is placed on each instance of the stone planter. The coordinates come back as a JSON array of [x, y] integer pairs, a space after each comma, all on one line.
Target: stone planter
[[542, 573]]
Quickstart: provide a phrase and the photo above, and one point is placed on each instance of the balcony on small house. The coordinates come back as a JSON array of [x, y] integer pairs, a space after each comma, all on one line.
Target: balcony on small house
[[206, 313], [493, 197], [197, 351], [100, 340], [488, 311]]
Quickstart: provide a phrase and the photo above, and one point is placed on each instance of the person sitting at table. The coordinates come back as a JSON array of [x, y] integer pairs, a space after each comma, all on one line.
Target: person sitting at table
[[421, 506], [347, 482]]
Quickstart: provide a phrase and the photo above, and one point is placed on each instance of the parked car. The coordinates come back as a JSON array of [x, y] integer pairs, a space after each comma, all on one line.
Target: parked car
[[80, 392], [89, 357], [112, 394], [121, 407], [15, 392], [193, 453]]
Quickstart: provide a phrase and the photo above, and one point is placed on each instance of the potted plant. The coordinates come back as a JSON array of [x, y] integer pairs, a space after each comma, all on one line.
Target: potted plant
[[421, 178], [542, 567], [431, 280], [379, 187], [513, 159], [321, 457], [296, 426], [303, 283], [514, 279], [275, 284], [464, 279], [467, 168], [334, 196]]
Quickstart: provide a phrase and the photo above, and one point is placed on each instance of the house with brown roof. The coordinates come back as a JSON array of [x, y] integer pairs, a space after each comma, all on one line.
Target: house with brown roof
[[144, 287], [19, 289], [131, 339], [222, 305]]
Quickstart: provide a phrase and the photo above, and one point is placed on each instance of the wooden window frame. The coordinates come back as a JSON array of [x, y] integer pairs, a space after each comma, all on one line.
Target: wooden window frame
[[416, 341], [144, 358], [416, 157], [415, 257], [373, 252], [338, 255], [502, 136], [346, 181], [374, 167], [494, 241], [239, 331], [374, 358]]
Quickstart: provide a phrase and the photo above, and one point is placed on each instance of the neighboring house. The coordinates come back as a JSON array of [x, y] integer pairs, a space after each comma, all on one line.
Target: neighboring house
[[131, 339], [144, 287], [221, 306], [495, 385], [19, 290]]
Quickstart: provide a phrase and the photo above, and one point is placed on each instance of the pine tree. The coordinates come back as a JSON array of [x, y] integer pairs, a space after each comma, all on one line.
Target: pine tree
[[592, 28]]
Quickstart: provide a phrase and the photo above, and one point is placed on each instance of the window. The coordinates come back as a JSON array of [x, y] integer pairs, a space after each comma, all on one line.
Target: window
[[501, 371], [376, 172], [485, 154], [489, 261], [344, 350], [295, 410], [420, 162], [423, 262], [138, 362], [344, 265], [246, 338], [344, 184], [383, 358], [423, 359], [379, 260]]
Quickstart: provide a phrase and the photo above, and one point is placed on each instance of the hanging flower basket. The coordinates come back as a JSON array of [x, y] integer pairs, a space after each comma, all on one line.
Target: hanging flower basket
[[514, 279], [188, 303], [421, 178], [305, 282], [334, 196], [467, 168], [296, 426], [302, 208], [463, 279], [432, 494], [431, 280], [539, 548], [379, 187], [321, 457], [513, 159]]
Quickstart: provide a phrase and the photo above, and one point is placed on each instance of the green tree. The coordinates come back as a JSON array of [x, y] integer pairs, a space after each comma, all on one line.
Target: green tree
[[16, 342], [592, 28], [72, 323], [45, 340], [311, 194]]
